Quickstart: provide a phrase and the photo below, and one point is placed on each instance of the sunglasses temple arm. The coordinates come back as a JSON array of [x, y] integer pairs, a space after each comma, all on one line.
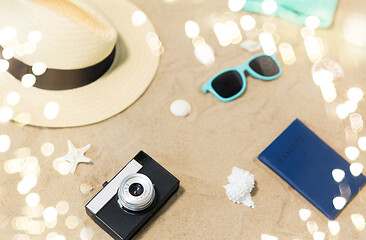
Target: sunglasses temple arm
[[205, 87]]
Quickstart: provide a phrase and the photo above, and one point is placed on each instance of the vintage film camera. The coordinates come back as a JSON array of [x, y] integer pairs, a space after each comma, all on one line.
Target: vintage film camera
[[132, 197]]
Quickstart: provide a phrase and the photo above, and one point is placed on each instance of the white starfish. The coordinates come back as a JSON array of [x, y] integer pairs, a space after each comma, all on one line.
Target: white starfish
[[76, 155]]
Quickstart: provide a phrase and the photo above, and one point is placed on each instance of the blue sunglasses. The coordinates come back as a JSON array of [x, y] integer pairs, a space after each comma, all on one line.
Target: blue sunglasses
[[231, 83]]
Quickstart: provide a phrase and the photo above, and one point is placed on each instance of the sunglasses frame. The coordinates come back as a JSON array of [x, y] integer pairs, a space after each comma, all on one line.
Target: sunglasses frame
[[207, 86]]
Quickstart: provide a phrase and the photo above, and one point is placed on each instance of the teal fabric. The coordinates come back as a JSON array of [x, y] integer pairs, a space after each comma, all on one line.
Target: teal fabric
[[297, 11]]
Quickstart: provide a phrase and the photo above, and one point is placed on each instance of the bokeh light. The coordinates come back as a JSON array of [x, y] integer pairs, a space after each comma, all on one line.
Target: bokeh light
[[236, 5], [315, 48], [34, 36], [30, 48], [355, 94], [268, 237], [322, 77], [307, 32], [312, 227], [312, 22], [334, 227], [28, 80], [356, 169], [192, 29], [247, 22], [222, 34], [8, 34], [352, 106], [62, 207], [287, 53], [338, 175], [86, 233], [8, 53], [362, 143], [304, 214], [342, 111], [72, 222], [318, 236], [138, 18], [267, 42], [269, 6], [6, 113], [329, 92], [51, 110], [13, 98], [39, 68], [4, 143], [352, 153], [62, 166], [339, 202], [47, 149], [12, 166], [356, 122], [358, 221], [50, 214], [32, 199], [4, 65]]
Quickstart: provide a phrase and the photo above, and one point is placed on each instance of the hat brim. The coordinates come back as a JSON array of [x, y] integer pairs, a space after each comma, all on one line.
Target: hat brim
[[129, 76]]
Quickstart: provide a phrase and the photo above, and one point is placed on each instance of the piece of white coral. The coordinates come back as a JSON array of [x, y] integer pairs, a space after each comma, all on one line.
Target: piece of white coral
[[240, 185]]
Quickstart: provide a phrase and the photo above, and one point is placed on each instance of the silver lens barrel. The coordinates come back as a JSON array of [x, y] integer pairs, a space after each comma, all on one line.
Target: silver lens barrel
[[139, 198]]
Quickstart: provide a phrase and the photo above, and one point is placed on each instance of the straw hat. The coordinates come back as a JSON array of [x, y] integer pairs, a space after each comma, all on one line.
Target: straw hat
[[66, 36]]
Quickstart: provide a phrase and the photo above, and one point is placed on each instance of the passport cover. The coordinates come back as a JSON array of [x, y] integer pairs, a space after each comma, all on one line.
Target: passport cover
[[306, 162]]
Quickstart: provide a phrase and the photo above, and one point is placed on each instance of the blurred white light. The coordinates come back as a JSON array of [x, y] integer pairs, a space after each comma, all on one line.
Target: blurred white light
[[352, 153], [356, 122], [356, 169], [30, 181], [6, 113], [322, 77], [269, 6], [86, 233], [222, 34], [307, 32], [205, 54], [339, 202], [39, 68], [267, 42], [304, 214], [192, 29], [8, 53], [23, 188], [352, 106], [268, 237], [20, 50], [4, 65], [234, 32], [312, 22], [72, 222], [247, 22], [32, 199], [358, 221], [236, 5], [318, 236], [4, 143], [12, 166], [35, 36], [30, 48], [342, 111], [50, 214], [329, 92], [355, 94], [138, 18], [47, 149], [312, 227], [62, 207], [287, 53], [315, 48], [354, 29], [13, 98], [51, 110], [362, 143], [28, 80], [334, 227], [9, 34], [338, 175]]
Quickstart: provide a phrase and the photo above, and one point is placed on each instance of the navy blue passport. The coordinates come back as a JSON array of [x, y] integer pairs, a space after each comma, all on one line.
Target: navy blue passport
[[306, 162]]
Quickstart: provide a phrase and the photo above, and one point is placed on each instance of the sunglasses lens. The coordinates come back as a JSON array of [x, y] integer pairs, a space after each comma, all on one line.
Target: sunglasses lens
[[228, 84], [265, 66]]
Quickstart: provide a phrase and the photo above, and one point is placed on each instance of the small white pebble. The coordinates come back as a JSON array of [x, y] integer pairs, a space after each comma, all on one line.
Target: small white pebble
[[251, 46], [180, 108]]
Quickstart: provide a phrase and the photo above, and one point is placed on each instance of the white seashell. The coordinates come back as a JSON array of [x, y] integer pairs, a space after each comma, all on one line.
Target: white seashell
[[180, 108], [85, 188], [240, 186]]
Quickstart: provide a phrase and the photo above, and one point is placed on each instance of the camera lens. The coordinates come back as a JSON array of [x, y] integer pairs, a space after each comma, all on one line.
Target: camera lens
[[136, 189], [136, 192]]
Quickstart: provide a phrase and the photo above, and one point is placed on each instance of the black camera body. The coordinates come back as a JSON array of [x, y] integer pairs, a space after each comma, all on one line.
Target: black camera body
[[132, 197]]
